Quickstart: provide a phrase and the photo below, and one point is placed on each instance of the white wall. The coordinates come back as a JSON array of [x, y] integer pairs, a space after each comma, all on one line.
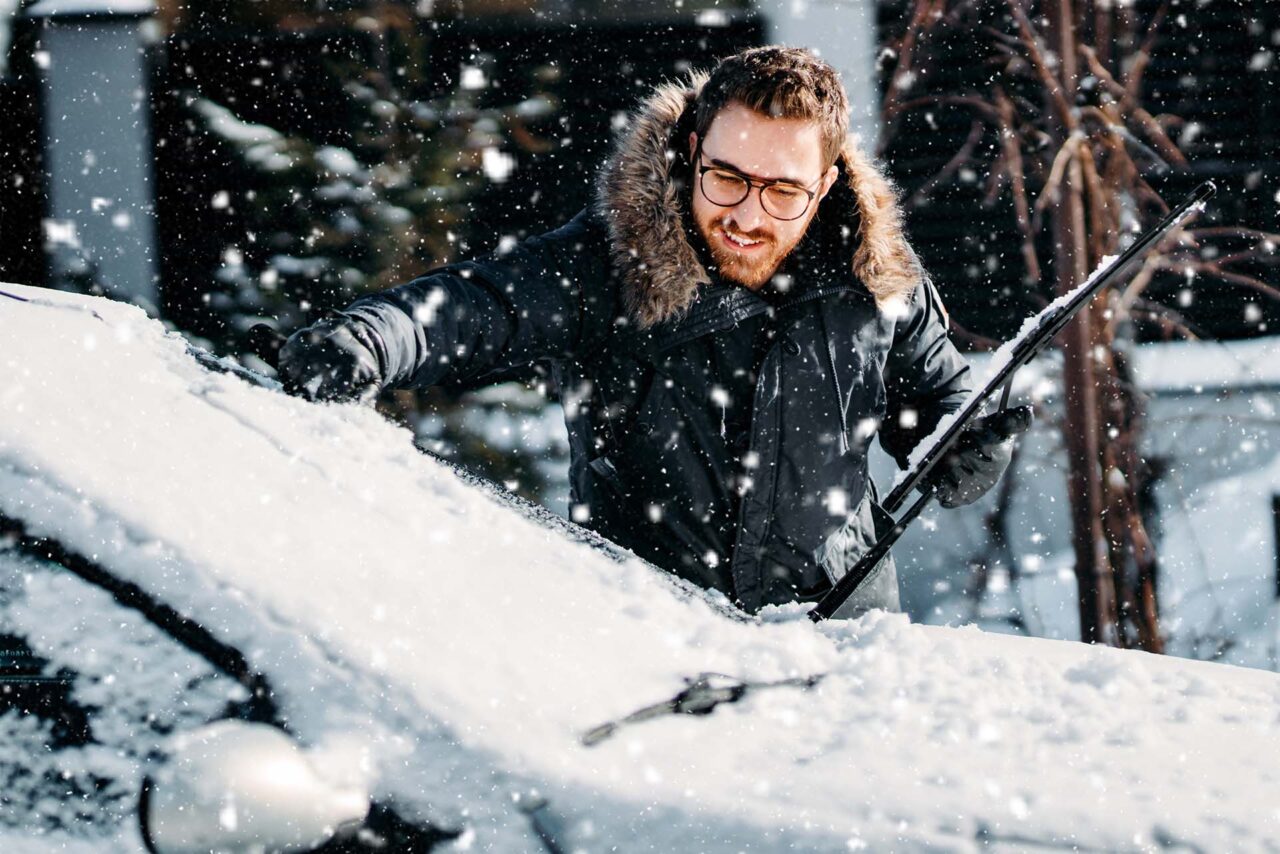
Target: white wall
[[8, 9], [97, 149]]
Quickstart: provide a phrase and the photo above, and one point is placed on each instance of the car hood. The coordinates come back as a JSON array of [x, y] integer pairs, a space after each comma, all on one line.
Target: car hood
[[468, 644]]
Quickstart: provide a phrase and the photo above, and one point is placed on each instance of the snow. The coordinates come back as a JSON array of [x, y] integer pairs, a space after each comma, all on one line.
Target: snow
[[497, 165], [339, 161], [1221, 556], [142, 684], [712, 18], [263, 145], [471, 644], [1199, 365]]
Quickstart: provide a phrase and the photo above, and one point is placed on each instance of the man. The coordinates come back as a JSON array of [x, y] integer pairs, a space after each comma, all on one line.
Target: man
[[729, 325]]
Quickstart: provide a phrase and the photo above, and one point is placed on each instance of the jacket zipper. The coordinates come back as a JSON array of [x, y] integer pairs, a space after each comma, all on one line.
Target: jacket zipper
[[813, 295], [770, 503], [756, 408]]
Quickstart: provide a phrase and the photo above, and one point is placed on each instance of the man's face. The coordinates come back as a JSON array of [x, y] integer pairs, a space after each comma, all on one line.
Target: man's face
[[746, 243]]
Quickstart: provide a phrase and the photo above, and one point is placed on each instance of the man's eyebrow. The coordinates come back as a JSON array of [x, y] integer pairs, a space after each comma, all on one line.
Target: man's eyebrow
[[725, 164]]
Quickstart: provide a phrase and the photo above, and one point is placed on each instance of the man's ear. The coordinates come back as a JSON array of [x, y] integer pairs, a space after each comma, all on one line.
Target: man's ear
[[693, 143], [829, 180]]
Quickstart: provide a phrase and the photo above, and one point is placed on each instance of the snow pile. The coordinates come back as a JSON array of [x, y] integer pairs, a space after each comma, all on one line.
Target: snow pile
[[472, 645], [1220, 559], [1199, 365]]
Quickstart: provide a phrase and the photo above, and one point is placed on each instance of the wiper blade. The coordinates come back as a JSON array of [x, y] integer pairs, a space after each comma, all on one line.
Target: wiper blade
[[703, 695], [260, 705]]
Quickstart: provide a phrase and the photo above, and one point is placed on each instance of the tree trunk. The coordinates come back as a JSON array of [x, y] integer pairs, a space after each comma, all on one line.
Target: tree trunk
[[1081, 431], [1081, 428], [1070, 154]]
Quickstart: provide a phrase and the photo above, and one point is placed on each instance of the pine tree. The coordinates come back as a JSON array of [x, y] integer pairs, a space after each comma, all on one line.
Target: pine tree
[[310, 227]]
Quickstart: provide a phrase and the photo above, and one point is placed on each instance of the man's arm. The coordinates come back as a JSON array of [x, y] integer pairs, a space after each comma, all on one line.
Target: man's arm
[[925, 377], [548, 297]]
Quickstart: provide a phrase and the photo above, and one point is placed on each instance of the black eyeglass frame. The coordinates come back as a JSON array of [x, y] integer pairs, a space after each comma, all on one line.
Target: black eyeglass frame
[[752, 182]]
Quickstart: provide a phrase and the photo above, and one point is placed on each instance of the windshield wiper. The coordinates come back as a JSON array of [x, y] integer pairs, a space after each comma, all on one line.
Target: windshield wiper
[[260, 705], [702, 696]]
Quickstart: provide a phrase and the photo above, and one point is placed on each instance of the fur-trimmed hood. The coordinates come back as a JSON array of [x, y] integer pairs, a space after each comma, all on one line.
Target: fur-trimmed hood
[[639, 199]]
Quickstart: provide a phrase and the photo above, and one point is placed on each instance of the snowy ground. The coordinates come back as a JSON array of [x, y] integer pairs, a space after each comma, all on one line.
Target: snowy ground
[[466, 646]]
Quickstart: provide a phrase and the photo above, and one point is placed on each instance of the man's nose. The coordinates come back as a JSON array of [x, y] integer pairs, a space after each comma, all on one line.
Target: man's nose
[[748, 215]]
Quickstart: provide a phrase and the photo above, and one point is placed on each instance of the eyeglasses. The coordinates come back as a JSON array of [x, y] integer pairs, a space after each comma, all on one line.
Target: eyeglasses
[[727, 187]]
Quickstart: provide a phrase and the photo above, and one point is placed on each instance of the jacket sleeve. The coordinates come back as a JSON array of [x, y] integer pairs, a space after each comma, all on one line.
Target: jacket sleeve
[[925, 376], [547, 297]]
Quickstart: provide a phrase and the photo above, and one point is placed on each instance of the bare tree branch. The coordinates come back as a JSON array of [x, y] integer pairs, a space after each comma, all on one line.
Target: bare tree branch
[[1102, 231], [1012, 154], [1133, 80], [1235, 231], [924, 14], [998, 177], [971, 101], [1258, 253], [1034, 52], [1166, 318], [1155, 132], [1137, 285], [961, 157], [1051, 185], [1211, 269]]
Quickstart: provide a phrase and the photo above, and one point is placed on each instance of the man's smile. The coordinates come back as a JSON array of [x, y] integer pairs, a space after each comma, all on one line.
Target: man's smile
[[738, 242]]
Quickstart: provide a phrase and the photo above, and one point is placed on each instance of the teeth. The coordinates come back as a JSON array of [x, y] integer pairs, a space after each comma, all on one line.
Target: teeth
[[741, 241]]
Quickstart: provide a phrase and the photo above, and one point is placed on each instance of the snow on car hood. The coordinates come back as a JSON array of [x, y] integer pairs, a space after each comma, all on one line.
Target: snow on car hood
[[471, 645]]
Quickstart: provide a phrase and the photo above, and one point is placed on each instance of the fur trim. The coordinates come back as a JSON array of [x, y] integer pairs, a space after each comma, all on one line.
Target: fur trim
[[638, 197]]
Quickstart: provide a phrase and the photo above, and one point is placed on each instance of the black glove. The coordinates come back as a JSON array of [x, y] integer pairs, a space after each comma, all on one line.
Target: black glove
[[978, 458], [334, 359]]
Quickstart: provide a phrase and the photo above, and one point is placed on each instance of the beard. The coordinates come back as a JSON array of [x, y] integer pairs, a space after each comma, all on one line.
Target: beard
[[750, 269]]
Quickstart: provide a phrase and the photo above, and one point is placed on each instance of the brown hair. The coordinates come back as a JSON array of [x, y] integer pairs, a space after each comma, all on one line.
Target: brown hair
[[780, 82]]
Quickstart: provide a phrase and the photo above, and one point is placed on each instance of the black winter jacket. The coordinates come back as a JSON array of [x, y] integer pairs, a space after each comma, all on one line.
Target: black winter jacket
[[618, 303]]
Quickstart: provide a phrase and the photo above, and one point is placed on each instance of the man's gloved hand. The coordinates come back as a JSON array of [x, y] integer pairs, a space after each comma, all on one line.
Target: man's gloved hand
[[978, 458], [333, 359]]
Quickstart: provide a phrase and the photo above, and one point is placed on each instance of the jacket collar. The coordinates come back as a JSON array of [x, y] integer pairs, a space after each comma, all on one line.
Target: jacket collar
[[640, 197]]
